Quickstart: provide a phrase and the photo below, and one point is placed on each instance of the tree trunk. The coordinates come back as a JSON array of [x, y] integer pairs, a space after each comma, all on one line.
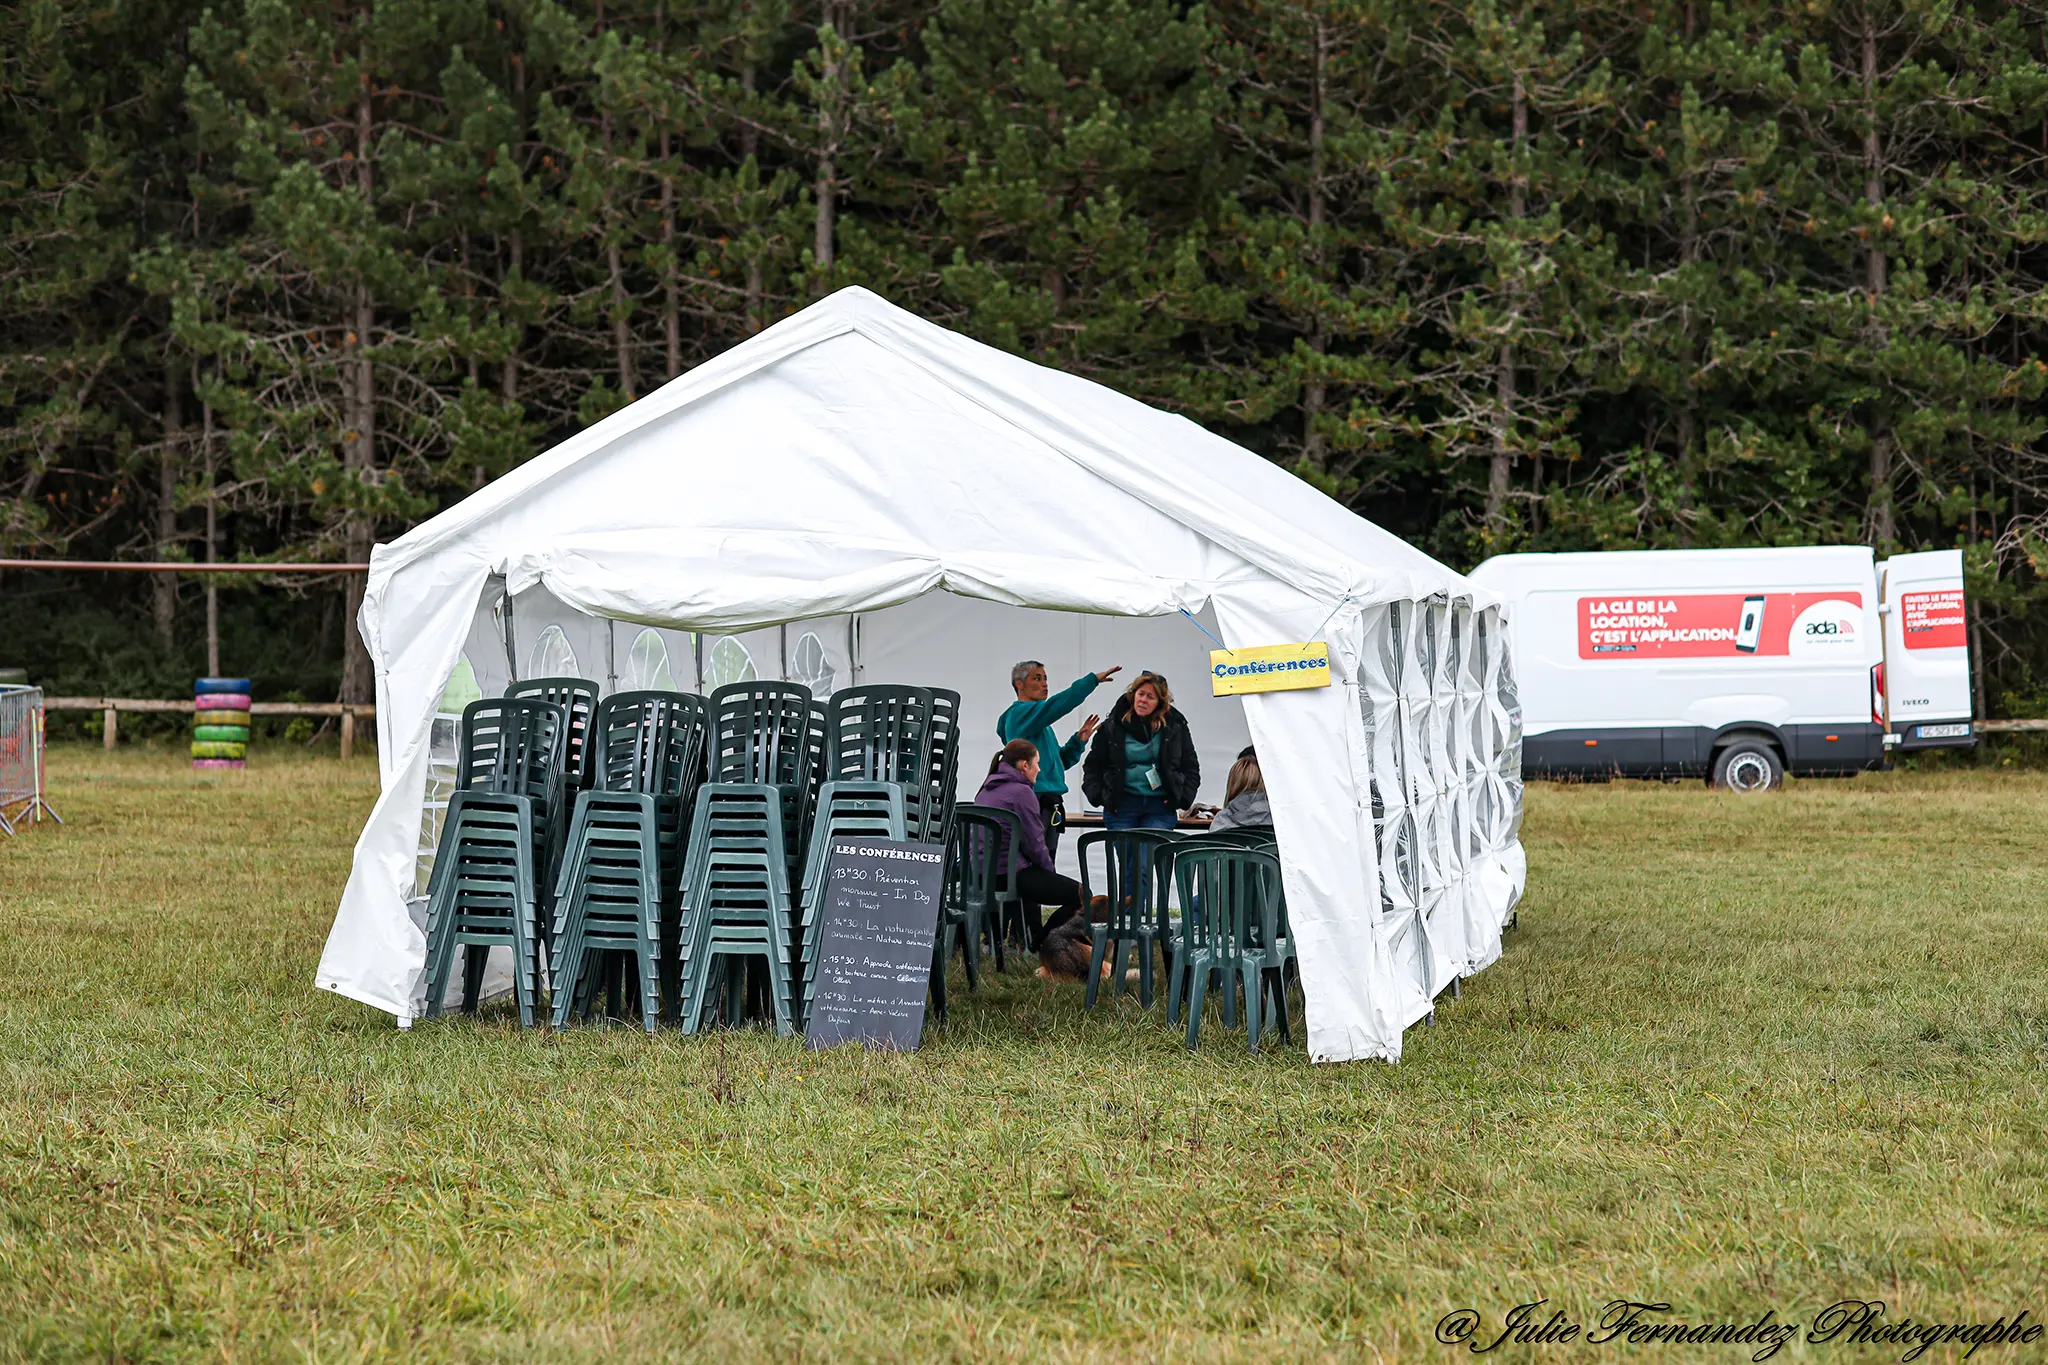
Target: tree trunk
[[622, 335], [164, 586], [831, 134], [750, 146], [515, 251], [1314, 394], [1504, 384], [212, 544], [359, 443], [1689, 406], [671, 290], [1879, 522]]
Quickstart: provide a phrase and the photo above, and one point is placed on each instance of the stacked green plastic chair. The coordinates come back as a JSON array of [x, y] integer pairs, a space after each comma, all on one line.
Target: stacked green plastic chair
[[624, 850], [501, 754], [944, 781], [1136, 872], [578, 697], [487, 886], [1223, 890], [817, 728], [873, 809], [973, 852], [736, 906], [883, 734], [608, 901], [762, 732]]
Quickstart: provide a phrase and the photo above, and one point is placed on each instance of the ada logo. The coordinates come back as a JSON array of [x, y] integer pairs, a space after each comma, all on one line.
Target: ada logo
[[1833, 626]]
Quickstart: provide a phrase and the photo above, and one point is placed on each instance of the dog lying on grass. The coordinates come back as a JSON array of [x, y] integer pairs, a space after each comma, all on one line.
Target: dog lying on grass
[[1064, 954]]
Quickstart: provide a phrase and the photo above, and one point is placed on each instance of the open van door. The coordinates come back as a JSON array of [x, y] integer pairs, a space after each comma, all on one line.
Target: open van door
[[1925, 687]]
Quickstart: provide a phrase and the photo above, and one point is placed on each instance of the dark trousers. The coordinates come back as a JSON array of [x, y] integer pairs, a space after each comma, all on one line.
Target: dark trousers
[[1053, 807], [1038, 887]]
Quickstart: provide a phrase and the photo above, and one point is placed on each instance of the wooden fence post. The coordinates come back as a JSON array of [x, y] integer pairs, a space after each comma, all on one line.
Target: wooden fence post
[[112, 728], [348, 731]]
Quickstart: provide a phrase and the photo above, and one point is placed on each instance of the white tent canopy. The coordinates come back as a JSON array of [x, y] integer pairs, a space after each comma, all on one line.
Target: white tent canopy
[[854, 459]]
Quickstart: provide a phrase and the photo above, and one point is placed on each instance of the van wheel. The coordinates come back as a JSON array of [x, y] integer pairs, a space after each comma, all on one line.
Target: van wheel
[[1748, 765]]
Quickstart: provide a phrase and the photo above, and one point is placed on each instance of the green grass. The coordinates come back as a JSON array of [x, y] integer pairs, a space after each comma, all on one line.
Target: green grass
[[1741, 1053]]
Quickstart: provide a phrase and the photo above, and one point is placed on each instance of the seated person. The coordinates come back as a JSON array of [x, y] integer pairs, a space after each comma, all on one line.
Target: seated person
[[1244, 799], [1009, 787]]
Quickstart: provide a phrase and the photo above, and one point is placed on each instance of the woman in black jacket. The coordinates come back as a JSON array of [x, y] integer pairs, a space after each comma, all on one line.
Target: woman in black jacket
[[1141, 768]]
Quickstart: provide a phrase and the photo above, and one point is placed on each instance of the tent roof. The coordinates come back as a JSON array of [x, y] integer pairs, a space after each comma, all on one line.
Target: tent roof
[[855, 454]]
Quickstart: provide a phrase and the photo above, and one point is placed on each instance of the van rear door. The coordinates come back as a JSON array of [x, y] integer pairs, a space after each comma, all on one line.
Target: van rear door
[[1926, 650]]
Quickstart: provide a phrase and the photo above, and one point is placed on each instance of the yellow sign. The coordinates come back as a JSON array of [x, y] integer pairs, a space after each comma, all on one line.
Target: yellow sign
[[1268, 668]]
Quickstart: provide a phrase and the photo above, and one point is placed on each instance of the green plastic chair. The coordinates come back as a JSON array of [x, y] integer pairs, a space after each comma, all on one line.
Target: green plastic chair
[[518, 747], [1276, 941], [648, 752], [508, 779], [968, 899], [944, 780], [763, 732], [973, 905], [609, 903], [736, 905], [1137, 866], [1222, 890], [1242, 836], [578, 698], [1012, 925], [884, 734], [481, 896]]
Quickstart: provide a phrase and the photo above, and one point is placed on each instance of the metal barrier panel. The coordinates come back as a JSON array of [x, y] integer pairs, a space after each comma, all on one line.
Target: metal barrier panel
[[21, 749]]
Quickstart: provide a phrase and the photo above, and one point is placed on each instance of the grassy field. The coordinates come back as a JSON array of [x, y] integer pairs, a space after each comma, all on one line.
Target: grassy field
[[1740, 1054]]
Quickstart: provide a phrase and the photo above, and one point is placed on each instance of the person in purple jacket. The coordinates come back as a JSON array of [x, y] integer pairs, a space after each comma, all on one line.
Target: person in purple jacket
[[1009, 786]]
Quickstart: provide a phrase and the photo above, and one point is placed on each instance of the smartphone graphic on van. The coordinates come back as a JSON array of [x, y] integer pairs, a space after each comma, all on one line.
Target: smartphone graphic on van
[[1752, 628]]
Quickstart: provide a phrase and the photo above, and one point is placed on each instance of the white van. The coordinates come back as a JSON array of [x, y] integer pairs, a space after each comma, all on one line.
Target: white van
[[1735, 665]]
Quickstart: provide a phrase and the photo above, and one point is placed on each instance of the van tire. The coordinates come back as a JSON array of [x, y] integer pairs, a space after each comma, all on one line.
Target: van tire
[[1748, 765]]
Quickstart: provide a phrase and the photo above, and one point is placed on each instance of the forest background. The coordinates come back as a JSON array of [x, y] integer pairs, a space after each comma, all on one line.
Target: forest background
[[280, 278]]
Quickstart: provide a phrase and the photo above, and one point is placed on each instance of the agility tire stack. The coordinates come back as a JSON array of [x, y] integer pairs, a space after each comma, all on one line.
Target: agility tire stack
[[220, 723]]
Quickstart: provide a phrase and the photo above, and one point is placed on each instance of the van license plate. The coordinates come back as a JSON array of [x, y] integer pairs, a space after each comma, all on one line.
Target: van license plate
[[1942, 731]]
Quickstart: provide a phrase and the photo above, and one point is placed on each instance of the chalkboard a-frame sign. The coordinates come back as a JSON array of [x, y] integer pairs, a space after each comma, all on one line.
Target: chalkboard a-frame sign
[[881, 914]]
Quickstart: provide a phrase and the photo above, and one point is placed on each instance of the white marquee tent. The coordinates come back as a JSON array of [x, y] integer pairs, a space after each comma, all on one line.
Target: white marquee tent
[[857, 495]]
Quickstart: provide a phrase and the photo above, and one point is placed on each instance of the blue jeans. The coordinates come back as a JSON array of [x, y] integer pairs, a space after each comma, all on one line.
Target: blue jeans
[[1140, 812]]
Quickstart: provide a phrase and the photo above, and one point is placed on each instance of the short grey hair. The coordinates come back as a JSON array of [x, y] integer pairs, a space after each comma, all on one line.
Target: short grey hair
[[1021, 672]]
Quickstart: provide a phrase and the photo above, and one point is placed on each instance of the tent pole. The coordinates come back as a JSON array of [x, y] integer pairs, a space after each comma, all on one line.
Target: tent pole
[[505, 620]]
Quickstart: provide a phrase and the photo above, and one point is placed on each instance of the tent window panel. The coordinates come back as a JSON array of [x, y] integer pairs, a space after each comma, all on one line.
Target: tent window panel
[[462, 688], [809, 665], [728, 662], [551, 656], [442, 752], [647, 667]]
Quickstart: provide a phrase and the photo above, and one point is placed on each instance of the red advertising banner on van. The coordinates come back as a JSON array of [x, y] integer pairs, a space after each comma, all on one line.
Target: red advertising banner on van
[[1933, 620], [1729, 625]]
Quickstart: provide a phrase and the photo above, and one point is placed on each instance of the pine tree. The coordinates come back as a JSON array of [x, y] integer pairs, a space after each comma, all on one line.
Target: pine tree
[[1070, 155]]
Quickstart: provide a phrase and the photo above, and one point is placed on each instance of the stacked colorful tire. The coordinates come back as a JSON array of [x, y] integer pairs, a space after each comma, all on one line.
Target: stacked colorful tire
[[220, 723]]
